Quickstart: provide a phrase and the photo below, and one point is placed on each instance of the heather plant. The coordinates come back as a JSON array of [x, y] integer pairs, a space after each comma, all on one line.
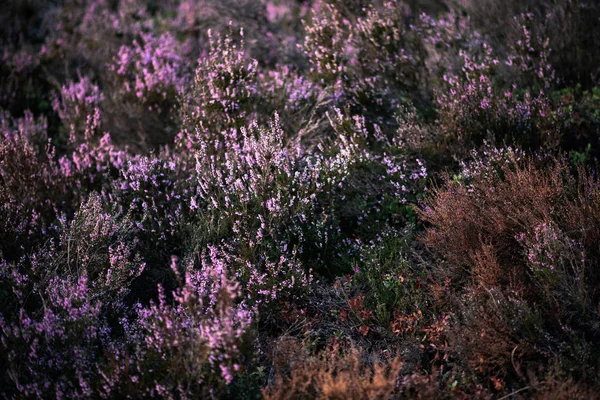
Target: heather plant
[[224, 91], [280, 182], [374, 60], [51, 353], [395, 179], [390, 55], [566, 25], [193, 346], [77, 107], [474, 109], [97, 243], [291, 91], [262, 193], [153, 195], [508, 225], [38, 185], [554, 258], [101, 245], [231, 91], [152, 69], [298, 101], [263, 281], [531, 55], [143, 81], [92, 164], [30, 181], [326, 43]]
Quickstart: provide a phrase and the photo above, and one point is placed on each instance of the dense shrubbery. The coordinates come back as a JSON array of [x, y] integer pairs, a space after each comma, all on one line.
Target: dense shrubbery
[[299, 199]]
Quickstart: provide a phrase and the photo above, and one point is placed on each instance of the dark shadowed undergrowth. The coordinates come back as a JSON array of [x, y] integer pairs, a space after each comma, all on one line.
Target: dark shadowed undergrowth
[[290, 199]]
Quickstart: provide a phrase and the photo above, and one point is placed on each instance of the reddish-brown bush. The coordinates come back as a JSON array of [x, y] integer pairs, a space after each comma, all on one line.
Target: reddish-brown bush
[[335, 375], [519, 238]]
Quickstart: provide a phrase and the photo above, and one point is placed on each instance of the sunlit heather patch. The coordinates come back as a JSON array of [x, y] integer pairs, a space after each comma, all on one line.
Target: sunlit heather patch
[[226, 199]]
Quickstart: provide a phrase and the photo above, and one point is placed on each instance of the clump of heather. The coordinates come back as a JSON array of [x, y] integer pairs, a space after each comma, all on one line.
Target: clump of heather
[[194, 345], [475, 108], [517, 230], [30, 180], [555, 257], [375, 60], [52, 352], [39, 184], [297, 99], [264, 197], [257, 170], [390, 57], [265, 281], [152, 69], [98, 243], [224, 91], [295, 195], [325, 44], [153, 195], [381, 159], [103, 244], [92, 164], [77, 106]]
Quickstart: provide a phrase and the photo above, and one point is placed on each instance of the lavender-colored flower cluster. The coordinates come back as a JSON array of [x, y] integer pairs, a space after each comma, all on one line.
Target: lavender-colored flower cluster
[[152, 69]]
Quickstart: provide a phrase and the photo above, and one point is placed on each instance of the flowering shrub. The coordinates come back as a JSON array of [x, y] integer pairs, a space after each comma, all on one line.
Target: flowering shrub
[[152, 195], [264, 281], [474, 110], [193, 347], [390, 54], [103, 245], [30, 182], [78, 106], [325, 43], [264, 175], [375, 60], [54, 353], [224, 88], [153, 69], [546, 251]]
